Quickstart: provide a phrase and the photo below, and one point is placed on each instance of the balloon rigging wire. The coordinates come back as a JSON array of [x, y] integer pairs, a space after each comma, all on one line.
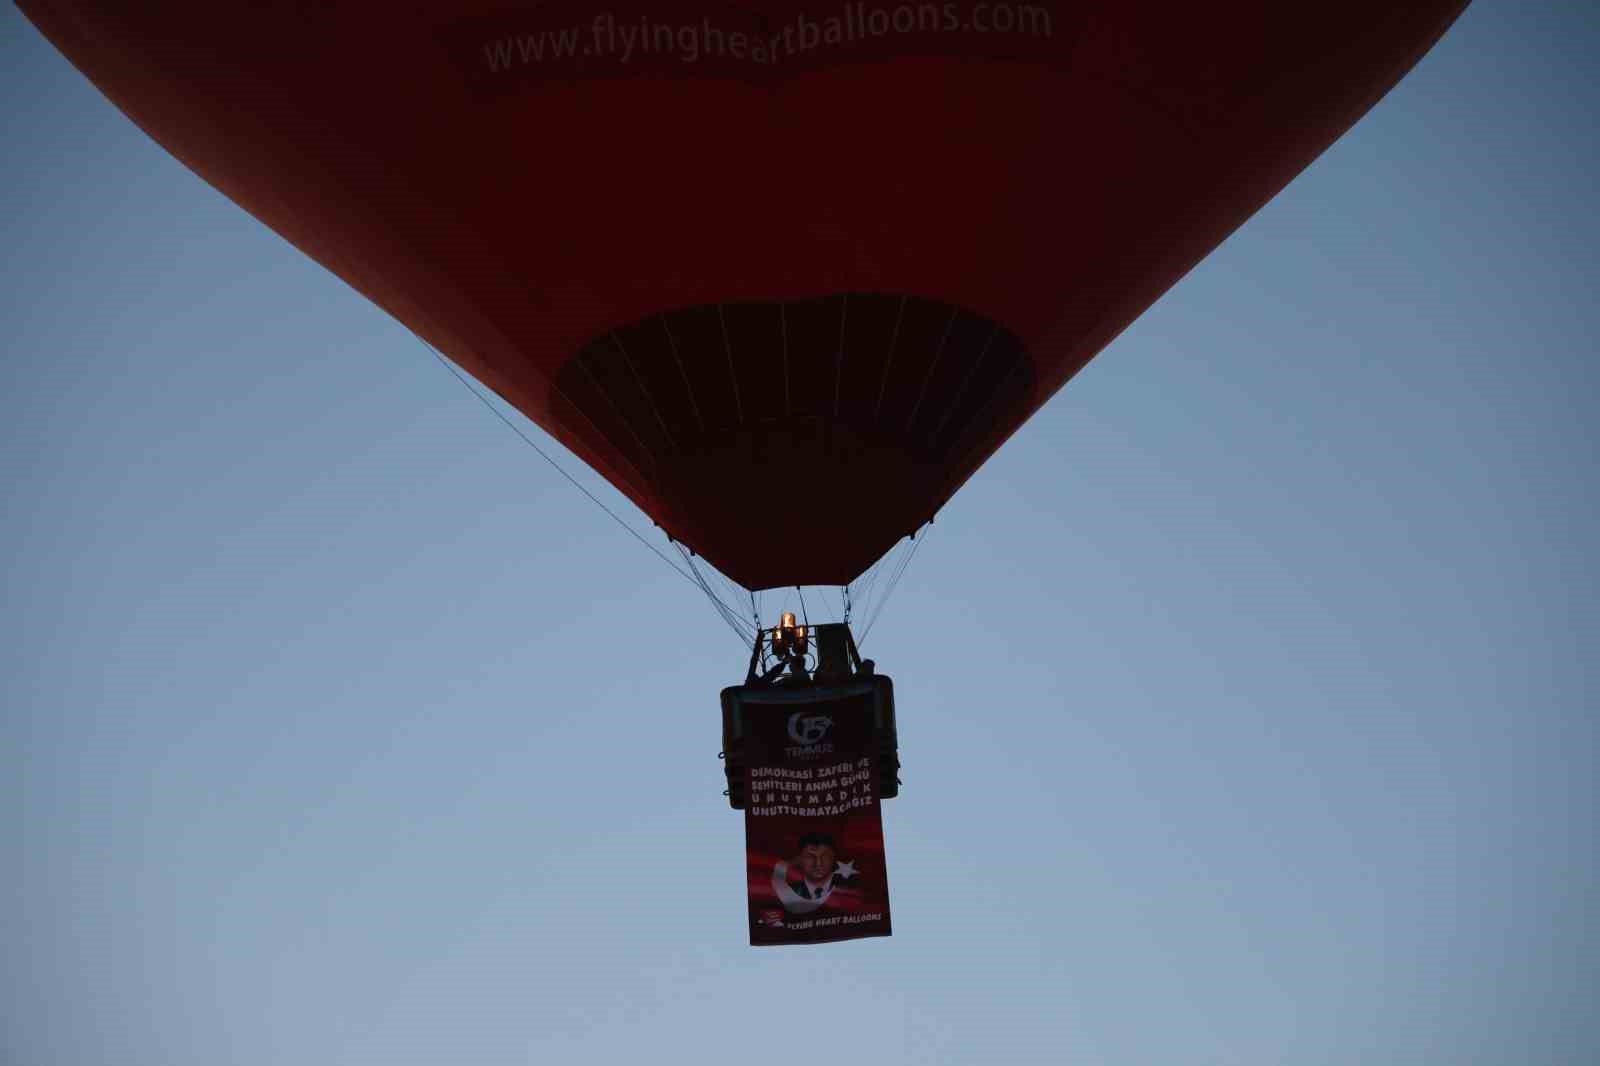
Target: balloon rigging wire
[[938, 353], [878, 568], [733, 375], [697, 579], [736, 591], [838, 359], [916, 542], [888, 360], [672, 342], [728, 615], [643, 389], [529, 441]]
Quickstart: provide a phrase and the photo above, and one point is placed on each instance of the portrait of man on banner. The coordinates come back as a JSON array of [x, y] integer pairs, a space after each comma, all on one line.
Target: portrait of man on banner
[[804, 884], [813, 825]]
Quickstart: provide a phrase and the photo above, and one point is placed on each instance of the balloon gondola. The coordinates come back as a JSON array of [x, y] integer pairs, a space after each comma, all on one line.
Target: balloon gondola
[[804, 672]]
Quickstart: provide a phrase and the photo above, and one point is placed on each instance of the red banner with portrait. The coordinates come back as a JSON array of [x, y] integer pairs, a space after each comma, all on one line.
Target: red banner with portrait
[[813, 828]]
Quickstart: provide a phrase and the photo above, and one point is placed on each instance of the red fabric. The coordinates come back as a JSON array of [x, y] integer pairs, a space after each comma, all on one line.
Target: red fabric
[[1056, 184]]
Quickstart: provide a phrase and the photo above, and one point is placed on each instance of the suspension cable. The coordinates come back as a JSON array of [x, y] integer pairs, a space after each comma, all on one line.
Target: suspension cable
[[885, 563], [916, 542], [734, 622], [457, 374]]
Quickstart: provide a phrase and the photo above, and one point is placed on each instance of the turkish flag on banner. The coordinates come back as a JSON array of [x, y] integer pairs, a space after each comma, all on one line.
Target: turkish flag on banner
[[813, 831]]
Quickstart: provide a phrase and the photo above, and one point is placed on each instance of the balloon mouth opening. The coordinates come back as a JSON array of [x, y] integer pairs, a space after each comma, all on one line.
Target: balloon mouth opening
[[852, 416]]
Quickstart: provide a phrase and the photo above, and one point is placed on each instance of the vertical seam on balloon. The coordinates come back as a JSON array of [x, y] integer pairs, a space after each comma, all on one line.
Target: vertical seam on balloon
[[994, 328], [783, 327], [583, 365], [672, 342], [983, 410], [938, 353], [555, 386], [838, 359], [626, 358], [727, 348], [604, 437], [888, 360]]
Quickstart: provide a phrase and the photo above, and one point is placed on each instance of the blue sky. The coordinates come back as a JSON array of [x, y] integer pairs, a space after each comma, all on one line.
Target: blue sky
[[1244, 697]]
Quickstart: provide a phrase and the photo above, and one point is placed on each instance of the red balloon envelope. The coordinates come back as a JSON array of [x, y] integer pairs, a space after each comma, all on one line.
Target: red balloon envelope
[[785, 273]]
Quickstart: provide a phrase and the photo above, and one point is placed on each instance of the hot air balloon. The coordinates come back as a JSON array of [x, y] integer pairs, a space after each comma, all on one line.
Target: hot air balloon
[[785, 274]]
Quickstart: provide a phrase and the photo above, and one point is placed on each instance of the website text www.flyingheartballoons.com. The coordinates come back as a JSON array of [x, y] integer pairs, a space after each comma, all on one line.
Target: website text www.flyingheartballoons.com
[[622, 39]]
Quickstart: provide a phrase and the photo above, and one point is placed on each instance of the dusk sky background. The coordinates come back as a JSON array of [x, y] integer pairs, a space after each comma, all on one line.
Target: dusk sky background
[[1246, 696]]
